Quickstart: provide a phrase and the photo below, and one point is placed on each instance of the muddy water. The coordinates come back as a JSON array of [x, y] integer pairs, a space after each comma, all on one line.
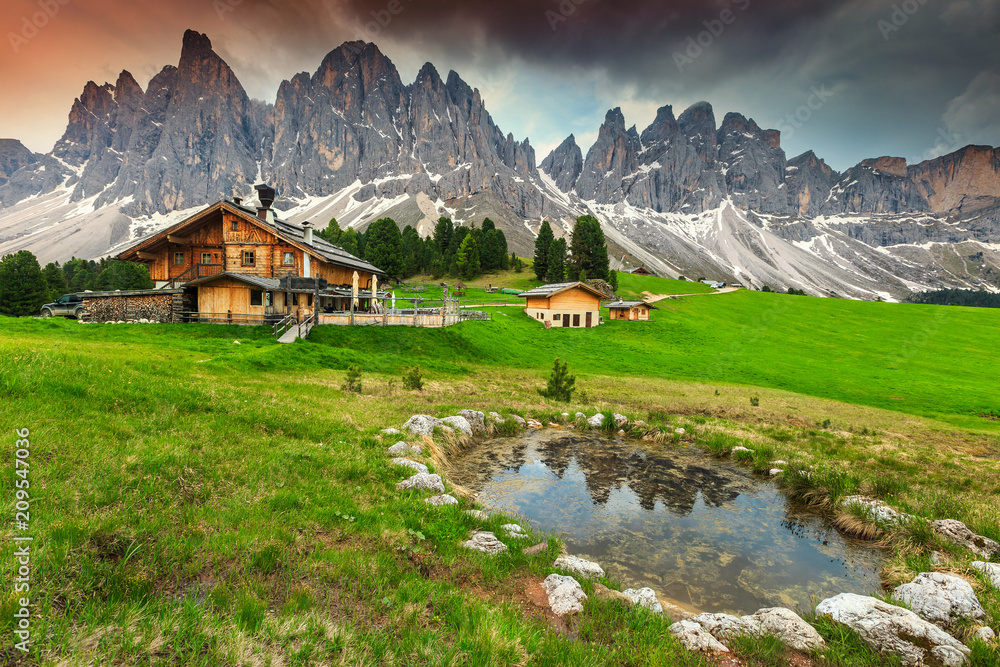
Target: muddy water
[[705, 534]]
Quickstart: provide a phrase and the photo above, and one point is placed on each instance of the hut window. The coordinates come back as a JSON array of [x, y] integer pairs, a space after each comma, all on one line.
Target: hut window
[[248, 258], [556, 316], [256, 297], [206, 258], [289, 258], [236, 225], [178, 259]]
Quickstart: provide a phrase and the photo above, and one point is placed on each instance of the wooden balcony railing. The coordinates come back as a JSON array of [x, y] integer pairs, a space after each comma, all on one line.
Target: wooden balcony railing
[[194, 273]]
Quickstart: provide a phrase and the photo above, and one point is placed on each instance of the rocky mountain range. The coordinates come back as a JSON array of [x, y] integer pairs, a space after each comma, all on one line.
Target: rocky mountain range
[[686, 195]]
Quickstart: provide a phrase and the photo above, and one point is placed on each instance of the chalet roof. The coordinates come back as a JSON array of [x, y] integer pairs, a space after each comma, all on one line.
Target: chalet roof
[[289, 232], [624, 305], [256, 281], [552, 289]]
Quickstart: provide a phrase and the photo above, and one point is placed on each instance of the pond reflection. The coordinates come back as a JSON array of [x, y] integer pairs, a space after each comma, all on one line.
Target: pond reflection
[[705, 534]]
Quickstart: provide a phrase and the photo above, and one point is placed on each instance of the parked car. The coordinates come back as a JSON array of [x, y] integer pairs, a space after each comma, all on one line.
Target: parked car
[[68, 305]]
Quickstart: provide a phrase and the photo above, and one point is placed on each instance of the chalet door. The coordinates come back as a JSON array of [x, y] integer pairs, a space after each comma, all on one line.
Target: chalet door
[[576, 320], [589, 316], [565, 319]]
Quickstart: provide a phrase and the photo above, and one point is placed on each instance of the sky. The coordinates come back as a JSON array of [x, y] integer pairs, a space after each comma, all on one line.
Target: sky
[[848, 79]]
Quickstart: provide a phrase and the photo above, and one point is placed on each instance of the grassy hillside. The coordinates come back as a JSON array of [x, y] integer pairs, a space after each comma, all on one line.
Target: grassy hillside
[[198, 501], [934, 361]]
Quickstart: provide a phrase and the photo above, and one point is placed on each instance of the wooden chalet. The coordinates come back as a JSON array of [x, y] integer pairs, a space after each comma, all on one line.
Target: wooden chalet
[[641, 271], [571, 305], [238, 264], [630, 310]]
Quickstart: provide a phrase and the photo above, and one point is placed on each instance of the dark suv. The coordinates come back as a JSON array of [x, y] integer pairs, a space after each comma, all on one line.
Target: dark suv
[[68, 305]]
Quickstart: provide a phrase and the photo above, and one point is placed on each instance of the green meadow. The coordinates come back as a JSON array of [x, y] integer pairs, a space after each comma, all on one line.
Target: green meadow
[[201, 495]]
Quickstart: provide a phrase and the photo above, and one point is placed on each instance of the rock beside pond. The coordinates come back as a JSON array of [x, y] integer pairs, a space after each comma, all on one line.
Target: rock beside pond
[[620, 420], [724, 626], [991, 570], [519, 419], [439, 501], [515, 531], [398, 449], [774, 472], [495, 416], [391, 431], [485, 542], [580, 415], [876, 509], [475, 418], [566, 596], [459, 423], [596, 421], [941, 598], [695, 638], [422, 481], [602, 592], [536, 548], [421, 424], [644, 597], [892, 630], [407, 463], [959, 533], [580, 566], [740, 448], [787, 626], [478, 514]]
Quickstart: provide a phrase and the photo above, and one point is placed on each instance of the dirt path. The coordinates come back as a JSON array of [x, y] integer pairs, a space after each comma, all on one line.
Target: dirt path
[[653, 298]]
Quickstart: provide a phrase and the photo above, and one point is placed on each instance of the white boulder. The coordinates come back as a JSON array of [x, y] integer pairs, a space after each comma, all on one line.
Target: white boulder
[[514, 531], [485, 542], [787, 626], [620, 420], [644, 597], [421, 424], [596, 421], [876, 510], [478, 514], [740, 448], [991, 570], [519, 419], [459, 423], [422, 481], [407, 463], [439, 501], [475, 418], [695, 638], [891, 630], [566, 596], [985, 634], [941, 598], [580, 566], [398, 449], [959, 533]]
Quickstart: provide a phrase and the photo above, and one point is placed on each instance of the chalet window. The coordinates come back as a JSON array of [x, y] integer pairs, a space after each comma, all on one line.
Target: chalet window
[[248, 259], [178, 259], [236, 225], [289, 258], [256, 297], [556, 316], [576, 320], [206, 258]]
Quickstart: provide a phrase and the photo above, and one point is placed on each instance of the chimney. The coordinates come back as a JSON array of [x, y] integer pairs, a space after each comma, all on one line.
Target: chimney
[[266, 195], [238, 201], [307, 232]]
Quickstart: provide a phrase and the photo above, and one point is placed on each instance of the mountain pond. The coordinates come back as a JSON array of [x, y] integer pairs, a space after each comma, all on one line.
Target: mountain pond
[[706, 535]]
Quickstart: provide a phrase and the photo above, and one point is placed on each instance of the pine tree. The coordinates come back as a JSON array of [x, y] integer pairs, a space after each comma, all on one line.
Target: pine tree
[[588, 249], [384, 247], [467, 262], [348, 242], [555, 264], [413, 249], [332, 233], [55, 279], [23, 289], [561, 384], [542, 243], [442, 234], [613, 280]]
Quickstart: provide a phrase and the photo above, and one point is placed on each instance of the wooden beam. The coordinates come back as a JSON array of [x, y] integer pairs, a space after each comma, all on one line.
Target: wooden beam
[[179, 240], [152, 256]]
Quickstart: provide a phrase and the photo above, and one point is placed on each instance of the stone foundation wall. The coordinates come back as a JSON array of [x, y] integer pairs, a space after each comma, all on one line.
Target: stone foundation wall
[[152, 305]]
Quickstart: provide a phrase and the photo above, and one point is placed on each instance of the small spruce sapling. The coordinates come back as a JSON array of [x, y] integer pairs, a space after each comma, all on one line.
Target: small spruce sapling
[[352, 381], [561, 384], [413, 380]]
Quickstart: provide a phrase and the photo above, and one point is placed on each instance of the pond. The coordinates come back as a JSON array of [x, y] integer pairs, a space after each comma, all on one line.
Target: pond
[[705, 534]]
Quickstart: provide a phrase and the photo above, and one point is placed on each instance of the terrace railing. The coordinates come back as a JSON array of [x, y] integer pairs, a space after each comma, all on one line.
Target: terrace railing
[[194, 273]]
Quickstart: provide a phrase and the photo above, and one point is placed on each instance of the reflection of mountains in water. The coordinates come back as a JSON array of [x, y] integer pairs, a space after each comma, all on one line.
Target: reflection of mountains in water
[[674, 478]]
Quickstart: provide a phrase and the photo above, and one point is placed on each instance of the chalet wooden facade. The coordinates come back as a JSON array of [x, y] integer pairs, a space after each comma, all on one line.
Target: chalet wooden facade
[[242, 265], [630, 310], [569, 305]]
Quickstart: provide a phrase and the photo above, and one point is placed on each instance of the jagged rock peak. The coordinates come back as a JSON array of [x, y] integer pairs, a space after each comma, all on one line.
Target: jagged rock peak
[[564, 164], [126, 87], [697, 116], [889, 165], [662, 127], [809, 160], [429, 74]]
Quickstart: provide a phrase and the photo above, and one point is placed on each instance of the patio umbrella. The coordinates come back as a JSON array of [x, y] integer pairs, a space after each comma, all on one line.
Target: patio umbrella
[[394, 299], [354, 289], [374, 292]]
